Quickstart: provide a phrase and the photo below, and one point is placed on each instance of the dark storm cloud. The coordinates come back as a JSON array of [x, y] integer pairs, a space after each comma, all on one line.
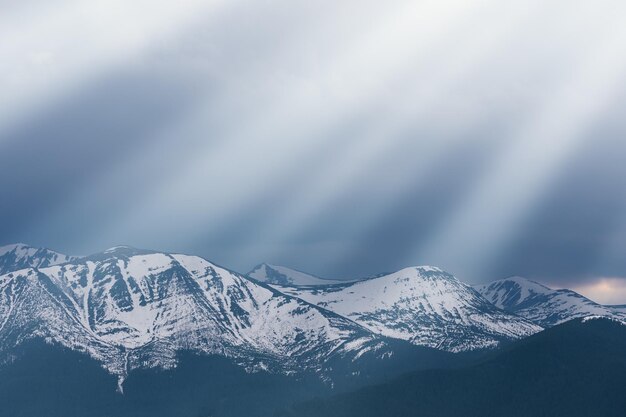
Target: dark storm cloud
[[568, 237], [73, 141], [410, 220]]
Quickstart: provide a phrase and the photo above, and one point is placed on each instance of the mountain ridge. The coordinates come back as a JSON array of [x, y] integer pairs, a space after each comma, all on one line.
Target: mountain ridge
[[282, 275], [423, 305], [132, 308], [540, 304], [18, 256]]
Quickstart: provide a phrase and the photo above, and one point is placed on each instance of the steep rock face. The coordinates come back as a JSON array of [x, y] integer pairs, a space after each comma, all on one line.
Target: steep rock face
[[32, 306], [130, 309], [542, 305], [19, 256], [423, 305]]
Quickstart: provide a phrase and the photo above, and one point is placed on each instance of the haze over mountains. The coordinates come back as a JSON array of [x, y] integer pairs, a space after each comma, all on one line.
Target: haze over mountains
[[132, 311]]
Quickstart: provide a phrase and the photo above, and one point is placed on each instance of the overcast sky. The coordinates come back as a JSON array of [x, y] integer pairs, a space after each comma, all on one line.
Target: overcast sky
[[344, 138]]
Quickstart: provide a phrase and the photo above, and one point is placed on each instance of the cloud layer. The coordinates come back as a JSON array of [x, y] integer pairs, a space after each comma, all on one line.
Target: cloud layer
[[342, 138]]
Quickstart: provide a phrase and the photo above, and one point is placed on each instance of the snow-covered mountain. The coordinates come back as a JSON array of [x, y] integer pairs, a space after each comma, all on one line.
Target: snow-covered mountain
[[130, 308], [20, 256], [542, 305], [423, 305], [281, 275]]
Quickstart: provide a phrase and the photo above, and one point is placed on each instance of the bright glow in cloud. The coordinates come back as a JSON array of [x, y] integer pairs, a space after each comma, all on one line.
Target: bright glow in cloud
[[604, 290]]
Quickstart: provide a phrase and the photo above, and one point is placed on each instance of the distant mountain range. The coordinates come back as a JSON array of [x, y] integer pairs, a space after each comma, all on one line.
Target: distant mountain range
[[136, 312], [528, 299], [423, 305], [542, 305], [130, 309]]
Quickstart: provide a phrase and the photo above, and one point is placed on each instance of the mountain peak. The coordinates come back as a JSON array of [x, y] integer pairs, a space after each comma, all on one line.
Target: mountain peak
[[21, 248], [120, 248], [12, 246], [541, 304], [429, 268], [523, 281], [423, 305], [128, 307], [18, 256], [423, 270], [512, 290], [120, 251], [284, 276], [126, 250]]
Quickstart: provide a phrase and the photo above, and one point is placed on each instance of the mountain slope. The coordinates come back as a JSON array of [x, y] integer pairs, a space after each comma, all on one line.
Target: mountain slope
[[423, 305], [281, 275], [572, 370], [20, 256], [181, 336], [47, 380], [130, 309], [540, 304]]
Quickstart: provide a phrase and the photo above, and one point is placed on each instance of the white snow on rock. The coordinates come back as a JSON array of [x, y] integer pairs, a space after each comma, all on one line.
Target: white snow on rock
[[423, 305], [129, 309], [20, 256], [542, 305]]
